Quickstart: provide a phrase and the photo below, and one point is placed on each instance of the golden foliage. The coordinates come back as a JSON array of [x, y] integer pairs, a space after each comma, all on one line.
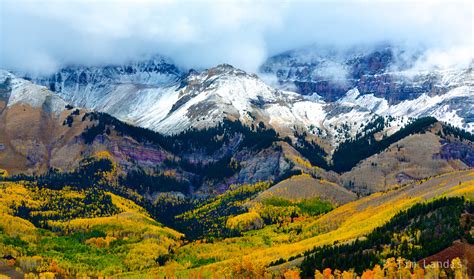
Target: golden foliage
[[465, 189], [103, 155], [245, 222], [170, 173], [100, 242], [245, 268], [344, 223], [126, 224], [140, 238], [292, 274], [300, 161], [146, 239], [399, 268], [12, 195], [143, 255], [42, 275], [126, 205]]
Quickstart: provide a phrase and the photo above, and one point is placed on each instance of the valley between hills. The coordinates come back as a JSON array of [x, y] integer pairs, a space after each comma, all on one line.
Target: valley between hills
[[107, 234]]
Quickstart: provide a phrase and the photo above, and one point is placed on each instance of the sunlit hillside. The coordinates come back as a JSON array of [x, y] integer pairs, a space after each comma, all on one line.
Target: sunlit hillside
[[257, 249], [89, 232]]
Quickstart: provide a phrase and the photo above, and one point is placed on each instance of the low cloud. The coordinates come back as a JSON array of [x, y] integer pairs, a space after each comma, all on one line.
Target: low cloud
[[41, 36]]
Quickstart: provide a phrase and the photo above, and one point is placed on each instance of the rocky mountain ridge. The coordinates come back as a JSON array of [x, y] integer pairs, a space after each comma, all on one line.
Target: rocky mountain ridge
[[157, 95], [389, 81], [56, 135]]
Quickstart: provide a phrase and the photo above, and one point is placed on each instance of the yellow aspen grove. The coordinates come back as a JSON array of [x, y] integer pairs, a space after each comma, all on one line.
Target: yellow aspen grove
[[419, 272], [404, 269], [390, 268], [368, 274], [460, 270], [378, 272], [348, 275], [327, 273], [292, 274], [337, 274]]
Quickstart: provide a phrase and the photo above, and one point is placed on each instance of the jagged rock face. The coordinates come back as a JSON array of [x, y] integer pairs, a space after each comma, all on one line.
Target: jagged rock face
[[386, 81], [356, 84], [197, 100], [19, 91], [88, 86], [330, 74], [382, 72]]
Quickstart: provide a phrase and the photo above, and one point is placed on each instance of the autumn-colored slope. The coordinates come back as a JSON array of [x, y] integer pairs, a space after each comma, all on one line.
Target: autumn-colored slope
[[463, 251], [78, 231], [109, 236], [305, 187], [412, 158], [352, 220]]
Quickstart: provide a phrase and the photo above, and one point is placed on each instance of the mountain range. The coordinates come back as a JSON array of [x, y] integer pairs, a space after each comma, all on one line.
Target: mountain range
[[223, 154], [312, 89], [314, 120]]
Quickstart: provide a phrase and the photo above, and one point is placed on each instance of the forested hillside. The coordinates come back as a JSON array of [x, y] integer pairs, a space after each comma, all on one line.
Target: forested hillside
[[72, 232], [413, 234], [87, 222]]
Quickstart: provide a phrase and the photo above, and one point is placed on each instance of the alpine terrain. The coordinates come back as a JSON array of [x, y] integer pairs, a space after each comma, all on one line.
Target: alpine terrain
[[322, 162]]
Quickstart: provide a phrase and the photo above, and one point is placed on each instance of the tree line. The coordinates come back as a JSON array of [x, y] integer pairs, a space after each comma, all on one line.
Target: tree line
[[413, 234]]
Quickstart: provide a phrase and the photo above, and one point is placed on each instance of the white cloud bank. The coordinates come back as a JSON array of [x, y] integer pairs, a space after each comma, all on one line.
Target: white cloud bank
[[40, 36]]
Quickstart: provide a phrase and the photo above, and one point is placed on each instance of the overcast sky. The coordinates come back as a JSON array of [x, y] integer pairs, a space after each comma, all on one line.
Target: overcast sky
[[41, 36]]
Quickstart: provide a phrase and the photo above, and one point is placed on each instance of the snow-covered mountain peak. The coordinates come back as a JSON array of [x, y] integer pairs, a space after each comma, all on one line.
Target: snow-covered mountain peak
[[205, 98], [231, 84], [387, 80], [350, 96], [158, 95], [15, 91]]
